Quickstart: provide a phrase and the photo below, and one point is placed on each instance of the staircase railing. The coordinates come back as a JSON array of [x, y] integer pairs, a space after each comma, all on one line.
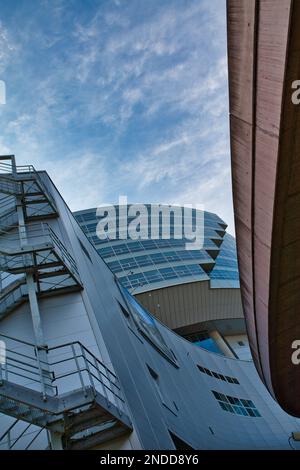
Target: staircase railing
[[37, 234], [13, 295], [25, 367], [13, 435], [8, 170], [70, 366], [7, 202]]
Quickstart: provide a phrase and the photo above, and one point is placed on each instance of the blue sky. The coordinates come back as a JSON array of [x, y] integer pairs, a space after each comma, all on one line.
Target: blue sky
[[119, 97]]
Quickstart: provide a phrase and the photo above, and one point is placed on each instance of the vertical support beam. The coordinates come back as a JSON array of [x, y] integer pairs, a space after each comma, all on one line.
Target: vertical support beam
[[13, 164], [56, 441], [21, 222], [221, 343], [34, 307], [35, 313], [33, 301], [55, 438]]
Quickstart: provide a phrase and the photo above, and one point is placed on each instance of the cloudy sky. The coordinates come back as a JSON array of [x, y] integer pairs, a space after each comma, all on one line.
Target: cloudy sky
[[119, 97]]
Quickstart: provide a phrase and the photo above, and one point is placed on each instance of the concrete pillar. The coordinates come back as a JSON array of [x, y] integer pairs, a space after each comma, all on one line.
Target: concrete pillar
[[221, 343]]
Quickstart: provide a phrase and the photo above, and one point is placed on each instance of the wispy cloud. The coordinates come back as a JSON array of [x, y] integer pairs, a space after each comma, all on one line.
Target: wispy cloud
[[8, 47], [132, 95]]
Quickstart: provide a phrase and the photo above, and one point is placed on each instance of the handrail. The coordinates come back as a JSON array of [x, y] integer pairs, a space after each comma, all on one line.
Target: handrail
[[63, 249], [37, 432], [89, 352], [9, 429], [9, 168], [20, 435], [12, 297], [7, 200], [15, 281], [18, 340], [33, 227], [90, 370], [34, 438], [7, 220], [41, 230]]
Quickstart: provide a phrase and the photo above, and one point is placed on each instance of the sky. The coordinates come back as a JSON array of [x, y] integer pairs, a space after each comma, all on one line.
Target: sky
[[119, 97]]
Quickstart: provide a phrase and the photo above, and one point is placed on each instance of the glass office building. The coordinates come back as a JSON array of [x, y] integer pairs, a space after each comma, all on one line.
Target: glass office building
[[159, 270], [142, 265]]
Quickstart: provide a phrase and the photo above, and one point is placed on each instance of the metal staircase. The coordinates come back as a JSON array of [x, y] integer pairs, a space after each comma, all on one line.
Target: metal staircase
[[26, 185], [45, 256], [89, 412], [63, 390]]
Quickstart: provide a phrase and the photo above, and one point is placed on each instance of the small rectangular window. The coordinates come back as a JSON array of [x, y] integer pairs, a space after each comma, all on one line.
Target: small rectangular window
[[236, 405], [229, 379]]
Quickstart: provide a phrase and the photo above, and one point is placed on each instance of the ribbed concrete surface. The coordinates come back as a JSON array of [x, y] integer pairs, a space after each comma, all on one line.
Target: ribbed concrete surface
[[187, 304], [264, 60]]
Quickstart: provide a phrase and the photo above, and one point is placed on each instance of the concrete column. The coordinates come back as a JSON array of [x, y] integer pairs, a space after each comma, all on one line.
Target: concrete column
[[221, 343]]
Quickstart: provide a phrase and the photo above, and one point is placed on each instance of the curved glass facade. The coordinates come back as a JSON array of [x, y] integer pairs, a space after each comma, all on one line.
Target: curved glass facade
[[146, 264]]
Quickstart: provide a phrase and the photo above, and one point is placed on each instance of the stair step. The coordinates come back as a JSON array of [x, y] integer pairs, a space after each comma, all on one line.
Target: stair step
[[25, 414], [31, 413], [10, 408]]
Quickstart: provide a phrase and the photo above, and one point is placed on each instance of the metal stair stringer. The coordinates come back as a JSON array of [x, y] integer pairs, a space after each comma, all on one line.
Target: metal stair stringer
[[26, 184], [70, 414], [8, 220], [12, 297]]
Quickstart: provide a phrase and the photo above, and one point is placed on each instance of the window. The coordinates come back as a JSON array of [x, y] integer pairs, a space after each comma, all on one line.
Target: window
[[236, 405], [146, 324], [105, 252], [198, 336], [229, 379], [216, 375]]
